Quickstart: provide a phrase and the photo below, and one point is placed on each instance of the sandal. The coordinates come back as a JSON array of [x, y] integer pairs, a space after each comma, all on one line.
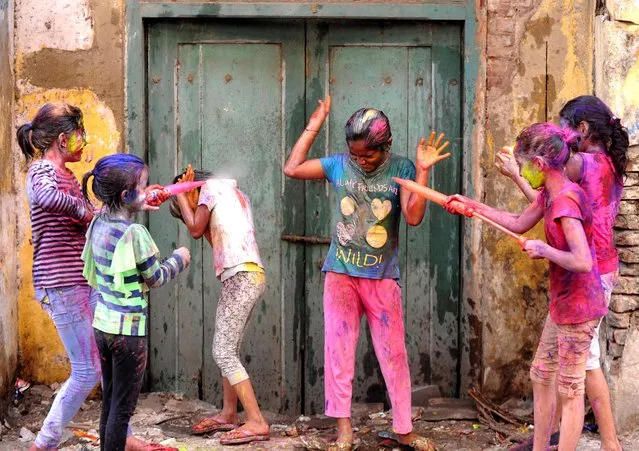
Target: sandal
[[420, 444], [211, 424], [338, 446], [241, 436]]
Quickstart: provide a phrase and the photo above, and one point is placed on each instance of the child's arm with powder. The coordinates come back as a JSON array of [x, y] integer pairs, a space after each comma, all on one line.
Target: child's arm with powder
[[154, 272], [297, 166], [427, 155], [578, 259], [518, 223], [49, 197]]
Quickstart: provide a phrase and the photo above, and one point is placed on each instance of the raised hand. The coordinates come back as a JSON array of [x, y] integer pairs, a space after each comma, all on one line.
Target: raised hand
[[506, 163], [428, 154], [319, 115], [192, 196]]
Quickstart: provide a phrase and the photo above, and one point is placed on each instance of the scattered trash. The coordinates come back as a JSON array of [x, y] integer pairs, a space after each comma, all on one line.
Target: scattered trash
[[292, 432], [26, 435], [591, 427], [304, 419], [20, 387], [85, 435], [475, 426]]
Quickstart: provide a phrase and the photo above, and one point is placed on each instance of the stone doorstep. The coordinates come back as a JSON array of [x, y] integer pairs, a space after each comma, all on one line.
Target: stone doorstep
[[439, 409], [421, 395]]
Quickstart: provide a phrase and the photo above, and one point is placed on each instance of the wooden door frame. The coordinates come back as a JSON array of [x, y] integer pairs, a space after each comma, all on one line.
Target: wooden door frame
[[467, 12]]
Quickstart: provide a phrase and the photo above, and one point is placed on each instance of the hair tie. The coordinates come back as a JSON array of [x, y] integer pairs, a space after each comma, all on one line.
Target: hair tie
[[615, 120], [31, 137]]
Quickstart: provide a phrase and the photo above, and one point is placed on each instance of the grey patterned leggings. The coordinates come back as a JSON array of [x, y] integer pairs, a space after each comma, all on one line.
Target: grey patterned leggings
[[239, 295]]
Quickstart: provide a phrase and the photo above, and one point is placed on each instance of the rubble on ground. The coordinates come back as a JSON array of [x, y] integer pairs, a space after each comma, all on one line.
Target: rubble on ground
[[166, 418]]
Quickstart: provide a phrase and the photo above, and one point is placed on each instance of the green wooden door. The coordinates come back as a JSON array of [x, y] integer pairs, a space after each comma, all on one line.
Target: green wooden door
[[228, 97], [232, 98], [413, 73]]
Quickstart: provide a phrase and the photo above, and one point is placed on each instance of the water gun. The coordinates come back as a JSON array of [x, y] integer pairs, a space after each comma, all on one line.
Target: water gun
[[459, 207], [172, 190]]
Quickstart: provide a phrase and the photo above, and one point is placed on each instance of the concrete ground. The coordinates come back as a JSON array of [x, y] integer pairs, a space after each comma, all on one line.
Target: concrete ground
[[166, 418]]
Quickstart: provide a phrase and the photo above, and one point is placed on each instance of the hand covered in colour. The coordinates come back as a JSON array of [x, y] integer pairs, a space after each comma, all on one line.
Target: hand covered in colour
[[428, 154]]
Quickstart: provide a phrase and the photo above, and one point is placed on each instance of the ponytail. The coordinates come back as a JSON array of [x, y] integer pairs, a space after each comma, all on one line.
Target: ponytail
[[618, 147], [23, 136], [85, 186], [604, 128]]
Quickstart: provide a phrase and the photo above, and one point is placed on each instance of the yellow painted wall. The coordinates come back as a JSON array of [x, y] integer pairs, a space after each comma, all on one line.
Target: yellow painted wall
[[42, 356], [78, 58], [540, 55]]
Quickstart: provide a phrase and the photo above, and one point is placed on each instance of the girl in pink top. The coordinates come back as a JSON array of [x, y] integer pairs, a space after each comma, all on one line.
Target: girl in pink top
[[599, 167], [576, 297]]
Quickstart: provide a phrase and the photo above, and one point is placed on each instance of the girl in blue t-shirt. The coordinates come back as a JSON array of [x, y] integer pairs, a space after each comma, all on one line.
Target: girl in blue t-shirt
[[361, 267]]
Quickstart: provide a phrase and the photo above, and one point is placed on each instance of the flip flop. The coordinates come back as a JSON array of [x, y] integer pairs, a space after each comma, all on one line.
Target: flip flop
[[337, 446], [240, 436], [419, 443], [211, 424]]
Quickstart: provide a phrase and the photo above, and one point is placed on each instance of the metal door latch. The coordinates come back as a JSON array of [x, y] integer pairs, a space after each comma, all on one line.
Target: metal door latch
[[305, 239]]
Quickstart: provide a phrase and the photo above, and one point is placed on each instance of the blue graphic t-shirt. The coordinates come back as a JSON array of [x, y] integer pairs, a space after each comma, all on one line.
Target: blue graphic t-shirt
[[365, 237]]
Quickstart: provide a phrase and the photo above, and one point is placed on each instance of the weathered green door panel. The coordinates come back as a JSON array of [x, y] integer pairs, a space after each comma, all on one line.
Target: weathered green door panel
[[445, 232], [396, 68], [239, 92], [242, 100], [163, 309], [190, 305]]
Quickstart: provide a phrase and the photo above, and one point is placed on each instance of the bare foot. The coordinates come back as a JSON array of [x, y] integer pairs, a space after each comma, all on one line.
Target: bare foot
[[33, 447], [614, 446], [344, 432], [135, 444]]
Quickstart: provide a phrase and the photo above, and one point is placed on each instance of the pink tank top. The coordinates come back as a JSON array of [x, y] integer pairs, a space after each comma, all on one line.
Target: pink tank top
[[602, 186]]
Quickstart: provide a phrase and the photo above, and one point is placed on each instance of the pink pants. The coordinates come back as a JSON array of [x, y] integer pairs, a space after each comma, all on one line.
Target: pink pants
[[346, 298]]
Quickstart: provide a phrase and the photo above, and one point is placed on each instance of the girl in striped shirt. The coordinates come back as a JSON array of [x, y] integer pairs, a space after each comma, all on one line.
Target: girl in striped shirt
[[122, 263], [59, 218]]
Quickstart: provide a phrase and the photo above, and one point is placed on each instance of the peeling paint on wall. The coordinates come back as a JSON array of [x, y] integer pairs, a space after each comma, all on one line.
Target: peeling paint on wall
[[60, 24], [8, 285], [537, 60], [617, 71], [42, 355]]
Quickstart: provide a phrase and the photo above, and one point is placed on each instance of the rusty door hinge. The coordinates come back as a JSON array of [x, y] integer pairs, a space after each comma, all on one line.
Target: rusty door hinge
[[306, 239]]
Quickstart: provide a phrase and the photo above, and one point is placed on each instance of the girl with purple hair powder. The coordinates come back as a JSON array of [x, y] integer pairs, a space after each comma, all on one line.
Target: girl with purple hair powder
[[362, 266]]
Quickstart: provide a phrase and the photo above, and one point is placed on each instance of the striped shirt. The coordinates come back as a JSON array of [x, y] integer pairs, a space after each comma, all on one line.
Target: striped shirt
[[58, 212], [121, 262]]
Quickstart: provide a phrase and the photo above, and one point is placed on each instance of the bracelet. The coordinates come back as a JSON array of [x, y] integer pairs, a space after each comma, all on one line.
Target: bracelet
[[312, 131]]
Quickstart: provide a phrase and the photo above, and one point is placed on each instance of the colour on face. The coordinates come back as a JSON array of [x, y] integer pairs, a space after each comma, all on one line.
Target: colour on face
[[532, 175], [366, 158], [77, 141], [140, 199]]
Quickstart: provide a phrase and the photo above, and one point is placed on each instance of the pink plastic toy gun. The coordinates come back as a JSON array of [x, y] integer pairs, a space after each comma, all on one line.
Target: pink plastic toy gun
[[176, 188]]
